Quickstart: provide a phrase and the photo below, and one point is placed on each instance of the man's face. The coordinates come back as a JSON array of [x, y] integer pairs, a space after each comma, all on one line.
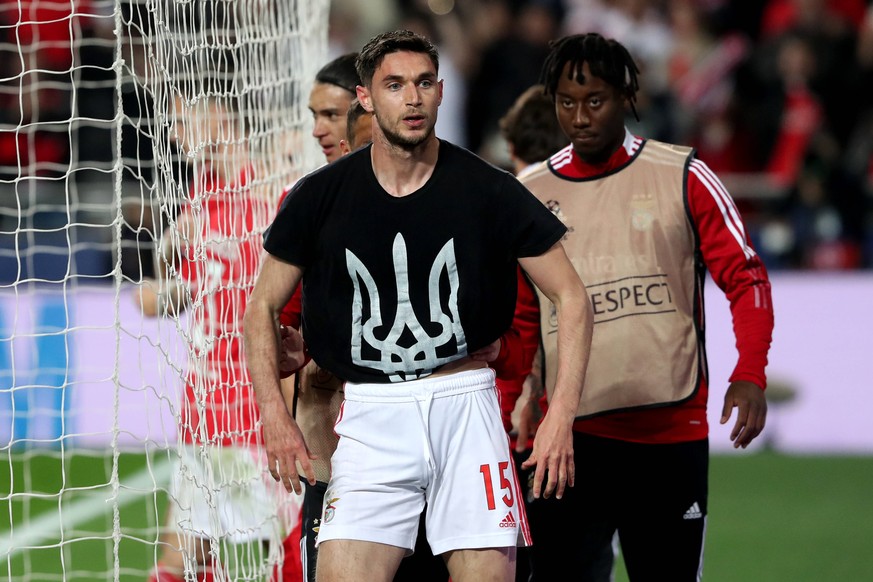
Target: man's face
[[404, 96], [591, 114], [329, 104], [200, 126]]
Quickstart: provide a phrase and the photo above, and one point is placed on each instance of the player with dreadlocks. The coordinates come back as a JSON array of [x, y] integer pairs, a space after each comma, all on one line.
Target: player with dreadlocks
[[607, 59], [645, 221]]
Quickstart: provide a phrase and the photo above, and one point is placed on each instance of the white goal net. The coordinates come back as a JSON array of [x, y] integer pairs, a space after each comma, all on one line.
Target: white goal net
[[143, 148]]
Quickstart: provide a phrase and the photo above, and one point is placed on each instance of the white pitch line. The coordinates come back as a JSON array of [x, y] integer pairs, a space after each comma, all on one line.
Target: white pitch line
[[45, 527]]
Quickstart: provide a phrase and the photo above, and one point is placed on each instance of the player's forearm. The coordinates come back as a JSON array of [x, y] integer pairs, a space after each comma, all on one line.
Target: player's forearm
[[260, 333], [159, 298], [575, 329]]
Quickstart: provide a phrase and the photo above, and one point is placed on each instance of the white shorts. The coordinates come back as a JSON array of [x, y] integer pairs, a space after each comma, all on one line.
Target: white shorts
[[436, 440], [226, 493]]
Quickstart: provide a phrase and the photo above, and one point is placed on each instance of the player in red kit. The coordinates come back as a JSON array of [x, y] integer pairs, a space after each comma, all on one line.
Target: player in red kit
[[210, 258]]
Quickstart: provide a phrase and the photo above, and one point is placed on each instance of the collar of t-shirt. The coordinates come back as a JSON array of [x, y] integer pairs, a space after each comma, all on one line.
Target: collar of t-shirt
[[568, 164]]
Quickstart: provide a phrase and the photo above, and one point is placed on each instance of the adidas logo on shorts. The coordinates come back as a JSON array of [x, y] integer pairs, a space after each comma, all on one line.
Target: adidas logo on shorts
[[693, 512], [508, 521]]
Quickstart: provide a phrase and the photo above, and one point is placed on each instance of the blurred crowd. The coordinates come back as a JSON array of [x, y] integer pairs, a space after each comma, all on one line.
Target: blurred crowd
[[777, 97]]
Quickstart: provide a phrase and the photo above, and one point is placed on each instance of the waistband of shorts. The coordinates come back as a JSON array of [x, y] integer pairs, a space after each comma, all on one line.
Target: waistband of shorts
[[440, 386]]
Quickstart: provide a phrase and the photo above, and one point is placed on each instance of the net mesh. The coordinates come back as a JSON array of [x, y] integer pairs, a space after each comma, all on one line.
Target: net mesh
[[143, 146]]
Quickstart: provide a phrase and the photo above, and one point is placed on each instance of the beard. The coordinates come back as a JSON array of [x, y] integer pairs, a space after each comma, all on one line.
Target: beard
[[399, 140]]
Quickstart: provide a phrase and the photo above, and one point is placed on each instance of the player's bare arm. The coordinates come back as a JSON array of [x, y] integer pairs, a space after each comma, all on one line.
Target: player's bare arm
[[552, 452], [165, 295], [160, 297], [282, 437]]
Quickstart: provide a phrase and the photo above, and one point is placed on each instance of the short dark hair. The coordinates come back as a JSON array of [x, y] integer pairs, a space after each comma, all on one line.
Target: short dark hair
[[608, 59], [532, 127], [374, 51], [340, 72], [356, 110]]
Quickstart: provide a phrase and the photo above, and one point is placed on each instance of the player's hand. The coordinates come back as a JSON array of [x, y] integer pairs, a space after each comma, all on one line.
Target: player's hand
[[285, 449], [553, 455], [145, 298], [751, 405], [292, 352], [487, 354]]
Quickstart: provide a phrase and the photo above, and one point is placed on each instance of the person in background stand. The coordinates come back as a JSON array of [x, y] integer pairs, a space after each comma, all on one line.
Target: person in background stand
[[364, 231], [645, 221], [532, 134]]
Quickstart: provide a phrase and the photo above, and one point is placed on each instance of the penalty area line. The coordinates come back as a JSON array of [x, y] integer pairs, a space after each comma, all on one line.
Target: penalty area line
[[43, 528]]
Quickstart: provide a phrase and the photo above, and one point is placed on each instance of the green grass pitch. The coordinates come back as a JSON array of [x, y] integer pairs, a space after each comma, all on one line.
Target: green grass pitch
[[775, 518], [772, 517]]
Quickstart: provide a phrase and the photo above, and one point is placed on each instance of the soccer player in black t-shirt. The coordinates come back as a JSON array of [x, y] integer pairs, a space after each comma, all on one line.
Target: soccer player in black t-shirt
[[407, 252]]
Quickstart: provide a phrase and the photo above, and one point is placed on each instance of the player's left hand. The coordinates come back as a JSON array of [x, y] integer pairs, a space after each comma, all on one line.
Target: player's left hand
[[553, 455], [286, 448], [487, 354], [748, 398]]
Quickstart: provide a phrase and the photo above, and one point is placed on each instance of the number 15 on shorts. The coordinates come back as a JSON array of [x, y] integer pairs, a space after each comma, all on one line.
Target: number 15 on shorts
[[505, 483]]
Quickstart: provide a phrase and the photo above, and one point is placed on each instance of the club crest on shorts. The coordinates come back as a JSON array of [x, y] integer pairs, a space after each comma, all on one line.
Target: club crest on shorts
[[396, 360], [329, 508]]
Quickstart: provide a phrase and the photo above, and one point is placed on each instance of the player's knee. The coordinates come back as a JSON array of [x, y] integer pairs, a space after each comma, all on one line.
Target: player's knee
[[482, 565], [353, 560]]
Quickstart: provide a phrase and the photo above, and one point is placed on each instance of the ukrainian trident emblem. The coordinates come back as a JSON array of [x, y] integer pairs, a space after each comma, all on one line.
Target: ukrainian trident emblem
[[420, 358]]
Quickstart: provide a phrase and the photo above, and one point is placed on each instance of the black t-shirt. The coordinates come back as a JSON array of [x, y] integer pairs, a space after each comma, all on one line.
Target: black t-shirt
[[394, 288]]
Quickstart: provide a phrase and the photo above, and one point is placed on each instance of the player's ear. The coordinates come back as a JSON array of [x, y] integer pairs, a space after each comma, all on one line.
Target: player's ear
[[363, 94], [344, 146]]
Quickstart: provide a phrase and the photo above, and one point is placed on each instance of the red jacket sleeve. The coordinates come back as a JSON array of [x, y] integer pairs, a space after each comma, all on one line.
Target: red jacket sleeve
[[291, 314], [519, 344], [517, 349], [735, 267]]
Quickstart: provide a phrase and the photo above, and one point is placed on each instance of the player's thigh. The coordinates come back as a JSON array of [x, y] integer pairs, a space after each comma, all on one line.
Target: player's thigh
[[482, 565], [662, 531], [422, 565], [574, 534], [672, 551], [475, 501], [355, 560], [571, 535], [376, 489]]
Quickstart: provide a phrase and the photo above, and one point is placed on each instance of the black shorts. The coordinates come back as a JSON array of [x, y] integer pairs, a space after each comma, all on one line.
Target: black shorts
[[654, 496], [313, 500]]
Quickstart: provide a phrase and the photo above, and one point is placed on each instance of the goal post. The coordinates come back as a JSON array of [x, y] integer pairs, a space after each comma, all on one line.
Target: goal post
[[125, 126]]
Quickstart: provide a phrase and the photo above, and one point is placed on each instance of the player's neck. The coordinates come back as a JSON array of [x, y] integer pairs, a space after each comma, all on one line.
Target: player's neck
[[402, 171]]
